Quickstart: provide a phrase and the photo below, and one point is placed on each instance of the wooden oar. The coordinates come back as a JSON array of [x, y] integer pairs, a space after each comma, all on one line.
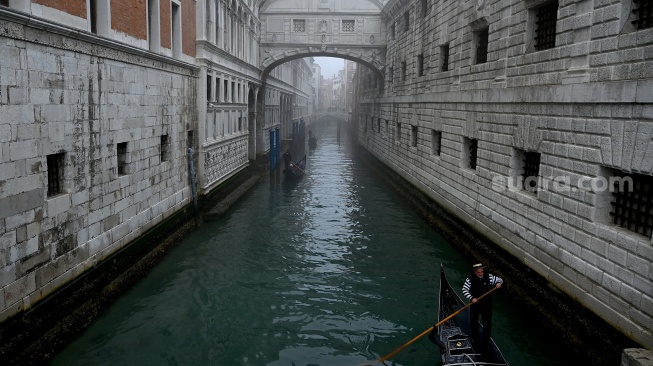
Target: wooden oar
[[386, 357]]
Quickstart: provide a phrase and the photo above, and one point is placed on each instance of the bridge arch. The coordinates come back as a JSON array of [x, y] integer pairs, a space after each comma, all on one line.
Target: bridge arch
[[348, 29]]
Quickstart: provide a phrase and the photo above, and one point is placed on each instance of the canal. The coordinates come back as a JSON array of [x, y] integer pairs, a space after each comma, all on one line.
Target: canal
[[334, 269]]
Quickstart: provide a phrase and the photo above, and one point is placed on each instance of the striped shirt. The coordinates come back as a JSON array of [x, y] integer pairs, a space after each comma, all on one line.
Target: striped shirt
[[483, 284]]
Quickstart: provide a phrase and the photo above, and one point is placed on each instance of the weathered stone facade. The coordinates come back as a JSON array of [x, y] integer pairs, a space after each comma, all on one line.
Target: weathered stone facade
[[86, 104], [461, 118]]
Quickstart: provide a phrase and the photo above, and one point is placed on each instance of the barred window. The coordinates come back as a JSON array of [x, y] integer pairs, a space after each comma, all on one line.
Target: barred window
[[164, 147], [531, 170], [348, 26], [469, 153], [444, 56], [403, 71], [393, 30], [4, 2], [632, 202], [545, 25], [644, 14], [481, 46], [390, 73], [378, 125], [121, 150], [299, 25], [425, 8], [436, 142], [55, 173]]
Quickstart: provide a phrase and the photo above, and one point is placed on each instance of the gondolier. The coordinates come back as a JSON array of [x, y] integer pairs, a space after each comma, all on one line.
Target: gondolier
[[477, 284]]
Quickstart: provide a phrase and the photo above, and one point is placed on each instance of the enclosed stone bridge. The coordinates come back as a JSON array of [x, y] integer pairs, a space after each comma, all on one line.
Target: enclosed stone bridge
[[348, 29]]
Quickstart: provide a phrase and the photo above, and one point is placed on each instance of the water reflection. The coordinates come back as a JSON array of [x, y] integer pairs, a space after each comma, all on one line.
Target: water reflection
[[331, 270]]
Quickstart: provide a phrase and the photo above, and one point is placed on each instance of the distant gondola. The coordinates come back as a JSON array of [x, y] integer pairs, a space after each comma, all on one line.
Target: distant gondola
[[312, 141], [455, 342], [296, 170]]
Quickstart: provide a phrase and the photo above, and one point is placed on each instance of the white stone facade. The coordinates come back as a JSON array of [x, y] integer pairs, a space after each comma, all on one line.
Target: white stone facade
[[584, 106], [69, 97]]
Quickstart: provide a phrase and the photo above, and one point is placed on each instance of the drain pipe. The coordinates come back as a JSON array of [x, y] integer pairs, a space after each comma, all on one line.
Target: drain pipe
[[191, 169]]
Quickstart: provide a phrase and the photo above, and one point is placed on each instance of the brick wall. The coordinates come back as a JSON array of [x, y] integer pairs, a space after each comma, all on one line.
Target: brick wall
[[130, 17], [73, 7]]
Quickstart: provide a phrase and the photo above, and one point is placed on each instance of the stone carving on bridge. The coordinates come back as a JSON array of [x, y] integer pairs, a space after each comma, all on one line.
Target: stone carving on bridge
[[323, 25], [372, 39]]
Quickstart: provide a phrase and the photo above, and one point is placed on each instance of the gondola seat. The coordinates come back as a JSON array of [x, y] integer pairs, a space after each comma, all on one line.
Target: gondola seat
[[459, 345]]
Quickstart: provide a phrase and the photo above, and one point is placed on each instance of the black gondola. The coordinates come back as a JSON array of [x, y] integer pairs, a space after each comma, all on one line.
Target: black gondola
[[312, 143], [456, 344], [296, 170]]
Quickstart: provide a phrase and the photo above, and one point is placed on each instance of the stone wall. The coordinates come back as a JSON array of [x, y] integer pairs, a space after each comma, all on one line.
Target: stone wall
[[114, 122], [460, 129]]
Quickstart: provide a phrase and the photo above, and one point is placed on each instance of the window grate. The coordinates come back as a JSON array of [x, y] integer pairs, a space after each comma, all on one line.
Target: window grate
[[403, 71], [632, 203], [481, 48], [348, 26], [644, 14], [299, 25], [545, 34], [531, 171], [55, 174], [420, 65], [473, 150], [444, 52], [425, 8]]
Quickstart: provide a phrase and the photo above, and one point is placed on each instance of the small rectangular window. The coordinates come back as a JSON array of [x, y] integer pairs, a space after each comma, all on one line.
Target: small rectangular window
[[413, 136], [121, 152], [392, 31], [55, 173], [545, 25], [644, 12], [436, 141], [403, 71], [390, 73], [164, 148], [469, 153], [226, 91], [407, 21], [444, 57], [378, 125], [531, 170], [482, 38], [425, 8], [420, 65], [348, 26], [299, 25], [189, 139]]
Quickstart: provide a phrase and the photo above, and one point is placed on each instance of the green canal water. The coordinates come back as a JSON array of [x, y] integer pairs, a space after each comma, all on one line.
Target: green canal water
[[332, 270]]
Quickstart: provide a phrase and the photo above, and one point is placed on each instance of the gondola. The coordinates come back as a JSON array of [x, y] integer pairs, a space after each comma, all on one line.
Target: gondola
[[312, 142], [296, 170], [456, 345]]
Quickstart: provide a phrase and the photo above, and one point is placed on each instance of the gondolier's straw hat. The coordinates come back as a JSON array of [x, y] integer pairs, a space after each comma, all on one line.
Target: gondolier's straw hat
[[477, 266]]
